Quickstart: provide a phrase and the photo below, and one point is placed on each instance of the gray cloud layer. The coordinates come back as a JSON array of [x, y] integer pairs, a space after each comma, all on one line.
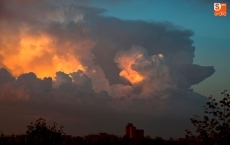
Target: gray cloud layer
[[129, 71]]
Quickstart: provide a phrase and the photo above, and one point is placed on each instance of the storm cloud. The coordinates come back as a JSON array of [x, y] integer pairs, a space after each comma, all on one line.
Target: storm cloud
[[66, 62]]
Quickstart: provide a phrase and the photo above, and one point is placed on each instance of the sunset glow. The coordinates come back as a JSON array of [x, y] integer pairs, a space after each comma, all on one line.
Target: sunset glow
[[125, 63], [131, 76], [38, 54]]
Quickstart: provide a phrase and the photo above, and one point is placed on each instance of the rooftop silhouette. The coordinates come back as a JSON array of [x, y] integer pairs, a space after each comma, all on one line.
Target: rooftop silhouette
[[132, 132]]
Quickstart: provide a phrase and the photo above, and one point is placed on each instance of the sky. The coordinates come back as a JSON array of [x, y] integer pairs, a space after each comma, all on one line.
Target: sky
[[95, 65]]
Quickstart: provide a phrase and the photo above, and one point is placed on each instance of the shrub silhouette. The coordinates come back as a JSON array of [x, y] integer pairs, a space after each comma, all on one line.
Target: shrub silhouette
[[39, 134], [214, 127]]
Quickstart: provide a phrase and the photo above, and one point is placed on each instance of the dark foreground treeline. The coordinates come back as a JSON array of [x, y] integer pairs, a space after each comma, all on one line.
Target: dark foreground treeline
[[38, 133], [211, 129], [88, 140]]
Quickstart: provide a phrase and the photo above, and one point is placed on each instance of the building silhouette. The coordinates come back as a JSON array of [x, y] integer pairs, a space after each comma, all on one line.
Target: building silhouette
[[132, 132]]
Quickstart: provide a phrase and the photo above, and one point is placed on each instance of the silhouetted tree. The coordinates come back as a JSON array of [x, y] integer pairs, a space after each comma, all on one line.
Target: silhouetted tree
[[39, 134], [214, 127]]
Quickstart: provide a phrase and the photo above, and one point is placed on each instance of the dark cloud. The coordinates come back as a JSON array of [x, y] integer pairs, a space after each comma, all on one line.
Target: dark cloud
[[84, 112], [195, 73], [5, 76], [87, 71], [156, 37]]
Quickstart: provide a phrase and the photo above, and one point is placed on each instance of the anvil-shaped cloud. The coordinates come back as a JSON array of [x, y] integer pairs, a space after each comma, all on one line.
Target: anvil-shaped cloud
[[62, 59]]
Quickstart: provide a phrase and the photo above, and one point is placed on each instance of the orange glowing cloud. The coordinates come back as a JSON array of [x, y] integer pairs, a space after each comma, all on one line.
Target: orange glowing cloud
[[131, 75], [38, 54], [125, 63]]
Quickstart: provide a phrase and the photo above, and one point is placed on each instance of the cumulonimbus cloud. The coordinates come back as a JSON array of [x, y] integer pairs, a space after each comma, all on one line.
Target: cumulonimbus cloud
[[71, 59]]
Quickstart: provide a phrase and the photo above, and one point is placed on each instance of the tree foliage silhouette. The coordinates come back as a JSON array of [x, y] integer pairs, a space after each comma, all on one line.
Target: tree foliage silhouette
[[214, 127], [39, 134]]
